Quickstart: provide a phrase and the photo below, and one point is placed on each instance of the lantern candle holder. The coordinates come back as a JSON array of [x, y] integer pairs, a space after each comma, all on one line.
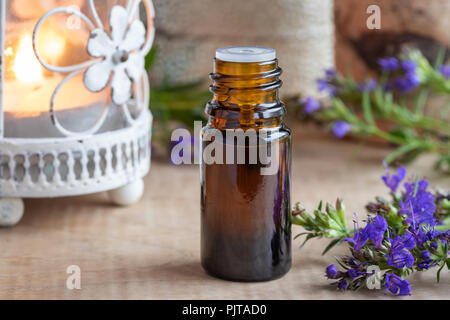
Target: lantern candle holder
[[74, 97]]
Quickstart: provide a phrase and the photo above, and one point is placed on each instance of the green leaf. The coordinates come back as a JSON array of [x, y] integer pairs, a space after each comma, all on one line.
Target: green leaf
[[438, 275], [340, 209], [421, 101], [441, 57], [308, 237], [367, 108], [331, 245], [340, 263], [400, 152], [150, 58], [300, 234]]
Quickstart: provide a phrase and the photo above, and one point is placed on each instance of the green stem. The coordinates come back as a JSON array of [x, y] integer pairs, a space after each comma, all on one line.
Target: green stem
[[421, 101], [419, 143]]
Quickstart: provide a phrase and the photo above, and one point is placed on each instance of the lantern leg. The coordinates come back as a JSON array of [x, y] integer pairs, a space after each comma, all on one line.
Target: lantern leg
[[11, 211], [129, 194]]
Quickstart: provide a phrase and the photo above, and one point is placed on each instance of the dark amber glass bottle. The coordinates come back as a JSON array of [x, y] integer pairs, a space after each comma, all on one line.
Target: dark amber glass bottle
[[245, 218]]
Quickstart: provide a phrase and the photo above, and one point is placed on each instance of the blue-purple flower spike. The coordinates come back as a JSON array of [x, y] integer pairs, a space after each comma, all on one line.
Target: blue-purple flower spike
[[353, 273], [369, 86], [393, 181], [401, 236], [445, 71], [341, 129], [400, 259], [331, 73], [408, 241], [407, 83], [418, 204], [311, 105], [388, 64], [397, 285], [343, 285], [360, 237], [325, 86], [332, 272], [409, 66], [376, 229]]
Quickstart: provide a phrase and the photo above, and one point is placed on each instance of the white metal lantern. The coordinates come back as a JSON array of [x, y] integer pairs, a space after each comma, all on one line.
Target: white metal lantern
[[74, 98]]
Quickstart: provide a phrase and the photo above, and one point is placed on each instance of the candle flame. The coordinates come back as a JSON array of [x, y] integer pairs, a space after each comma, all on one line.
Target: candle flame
[[26, 66], [53, 45]]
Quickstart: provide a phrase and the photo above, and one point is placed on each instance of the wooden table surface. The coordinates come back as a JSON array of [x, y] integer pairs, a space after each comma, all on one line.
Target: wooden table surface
[[151, 250]]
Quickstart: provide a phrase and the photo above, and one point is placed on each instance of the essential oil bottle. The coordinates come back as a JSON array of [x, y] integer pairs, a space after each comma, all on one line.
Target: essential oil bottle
[[245, 182]]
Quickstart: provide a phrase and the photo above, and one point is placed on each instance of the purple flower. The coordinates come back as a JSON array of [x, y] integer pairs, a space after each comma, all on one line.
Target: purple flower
[[369, 85], [341, 128], [405, 242], [408, 241], [400, 259], [412, 79], [433, 245], [343, 285], [353, 273], [332, 272], [311, 105], [409, 66], [376, 229], [397, 285], [400, 256], [418, 204], [420, 236], [360, 238], [330, 73], [425, 255], [324, 85], [388, 64], [426, 262], [444, 235], [392, 182], [431, 235], [445, 71], [407, 83]]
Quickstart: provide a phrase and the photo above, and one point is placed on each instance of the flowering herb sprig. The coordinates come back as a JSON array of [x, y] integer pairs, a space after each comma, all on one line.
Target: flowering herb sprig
[[380, 108], [408, 233]]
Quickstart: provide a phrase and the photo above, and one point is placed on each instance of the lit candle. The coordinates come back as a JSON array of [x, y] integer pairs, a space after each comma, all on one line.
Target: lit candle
[[29, 89]]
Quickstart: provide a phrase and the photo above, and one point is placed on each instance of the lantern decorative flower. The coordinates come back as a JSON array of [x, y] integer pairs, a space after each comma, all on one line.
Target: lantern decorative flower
[[73, 128], [121, 56]]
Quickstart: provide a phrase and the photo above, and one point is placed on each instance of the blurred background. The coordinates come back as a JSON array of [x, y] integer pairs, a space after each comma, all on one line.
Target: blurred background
[[311, 36]]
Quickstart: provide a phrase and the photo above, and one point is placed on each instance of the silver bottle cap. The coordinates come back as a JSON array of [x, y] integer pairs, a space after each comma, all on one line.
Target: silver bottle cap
[[246, 54]]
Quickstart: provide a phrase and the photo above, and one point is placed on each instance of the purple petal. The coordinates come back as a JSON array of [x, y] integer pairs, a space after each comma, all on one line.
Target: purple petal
[[341, 129]]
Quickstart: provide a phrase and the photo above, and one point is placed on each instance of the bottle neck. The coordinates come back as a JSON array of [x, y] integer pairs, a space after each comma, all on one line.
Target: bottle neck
[[246, 95]]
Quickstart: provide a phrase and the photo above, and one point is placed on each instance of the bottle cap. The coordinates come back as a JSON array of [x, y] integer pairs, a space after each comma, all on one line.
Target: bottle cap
[[246, 54]]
